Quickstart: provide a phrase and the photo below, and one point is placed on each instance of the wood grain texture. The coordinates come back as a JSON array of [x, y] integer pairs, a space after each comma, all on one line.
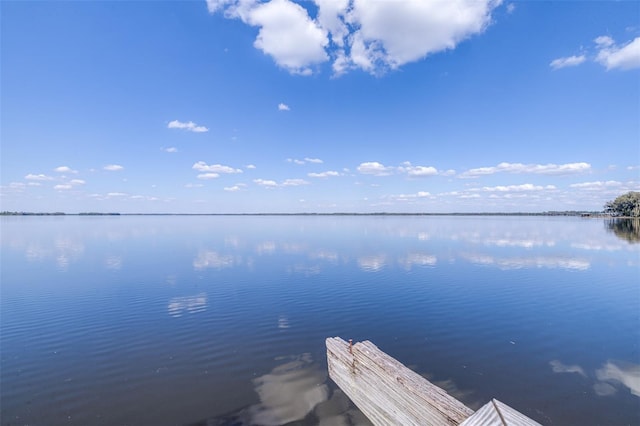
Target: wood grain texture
[[499, 414], [386, 391], [389, 393]]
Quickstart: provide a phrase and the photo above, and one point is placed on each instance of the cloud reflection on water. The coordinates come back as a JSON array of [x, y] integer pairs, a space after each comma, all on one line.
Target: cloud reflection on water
[[289, 392], [611, 373], [372, 263], [507, 263], [212, 259], [189, 304], [624, 373], [418, 259], [559, 367]]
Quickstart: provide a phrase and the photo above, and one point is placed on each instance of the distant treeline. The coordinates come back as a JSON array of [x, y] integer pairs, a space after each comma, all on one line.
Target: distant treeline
[[549, 213], [6, 213]]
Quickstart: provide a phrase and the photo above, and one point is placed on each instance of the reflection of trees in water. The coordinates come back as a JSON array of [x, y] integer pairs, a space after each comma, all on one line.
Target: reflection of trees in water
[[625, 229]]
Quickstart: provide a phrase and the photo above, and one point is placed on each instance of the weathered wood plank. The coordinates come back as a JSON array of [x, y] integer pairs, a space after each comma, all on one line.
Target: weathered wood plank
[[389, 393], [386, 391], [499, 414]]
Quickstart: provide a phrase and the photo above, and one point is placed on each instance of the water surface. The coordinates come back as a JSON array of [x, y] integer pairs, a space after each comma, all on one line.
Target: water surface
[[168, 320]]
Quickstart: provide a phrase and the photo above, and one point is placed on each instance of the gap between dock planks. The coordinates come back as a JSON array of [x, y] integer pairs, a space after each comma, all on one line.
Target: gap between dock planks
[[389, 393]]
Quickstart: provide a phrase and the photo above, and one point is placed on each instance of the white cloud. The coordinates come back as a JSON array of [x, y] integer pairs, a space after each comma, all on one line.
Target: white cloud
[[62, 187], [374, 168], [266, 183], [64, 169], [170, 149], [77, 182], [250, 166], [304, 161], [515, 188], [201, 166], [603, 41], [214, 5], [418, 171], [329, 173], [618, 57], [392, 33], [294, 182], [511, 7], [283, 107], [544, 169], [39, 177], [235, 188], [595, 186], [113, 167], [331, 15], [288, 35], [189, 126], [405, 197], [373, 35], [284, 183], [116, 194], [207, 176], [607, 53], [193, 185], [569, 61]]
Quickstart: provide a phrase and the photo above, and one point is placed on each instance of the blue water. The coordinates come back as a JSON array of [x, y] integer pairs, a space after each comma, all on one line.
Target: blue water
[[194, 320]]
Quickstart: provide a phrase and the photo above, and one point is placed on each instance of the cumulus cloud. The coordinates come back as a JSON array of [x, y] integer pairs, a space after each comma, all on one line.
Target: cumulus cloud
[[77, 182], [294, 182], [283, 107], [304, 161], [250, 166], [417, 171], [64, 169], [374, 168], [235, 188], [613, 56], [287, 34], [328, 173], [38, 177], [608, 53], [62, 187], [201, 166], [266, 183], [171, 149], [372, 35], [543, 169], [207, 176], [189, 126], [595, 186], [569, 61], [514, 188], [284, 183], [113, 167], [406, 197], [390, 34]]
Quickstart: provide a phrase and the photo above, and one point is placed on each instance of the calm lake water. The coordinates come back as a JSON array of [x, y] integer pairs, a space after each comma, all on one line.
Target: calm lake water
[[213, 320]]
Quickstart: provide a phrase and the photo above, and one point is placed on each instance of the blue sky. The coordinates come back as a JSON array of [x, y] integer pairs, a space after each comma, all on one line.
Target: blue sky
[[232, 106]]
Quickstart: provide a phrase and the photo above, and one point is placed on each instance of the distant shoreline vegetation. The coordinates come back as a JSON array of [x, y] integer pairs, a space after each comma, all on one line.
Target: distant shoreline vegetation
[[6, 213], [548, 213]]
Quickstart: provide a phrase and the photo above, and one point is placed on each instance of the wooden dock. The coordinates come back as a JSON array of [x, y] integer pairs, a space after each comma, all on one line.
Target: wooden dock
[[389, 393]]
